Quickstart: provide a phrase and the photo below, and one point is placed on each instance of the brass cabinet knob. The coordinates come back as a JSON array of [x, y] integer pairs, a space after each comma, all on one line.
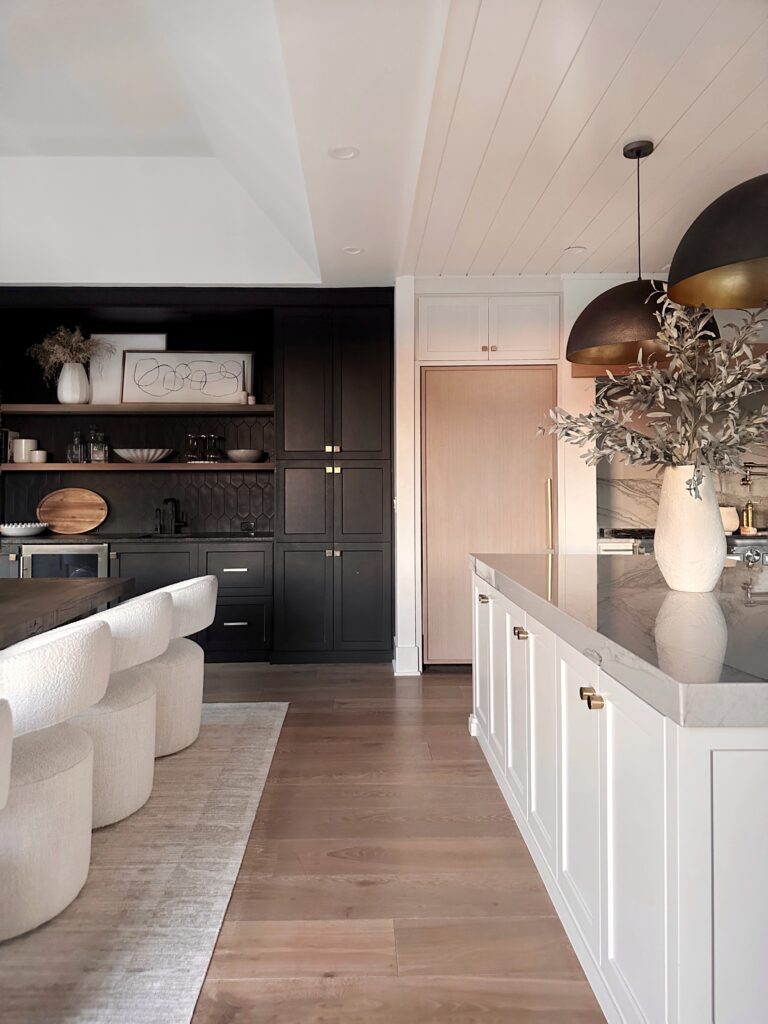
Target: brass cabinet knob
[[595, 702], [329, 447], [587, 691], [494, 348], [522, 634], [483, 348], [483, 598], [516, 630]]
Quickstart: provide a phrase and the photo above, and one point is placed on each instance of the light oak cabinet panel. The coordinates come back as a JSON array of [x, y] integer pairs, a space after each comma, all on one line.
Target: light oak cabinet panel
[[454, 327], [524, 327], [579, 780]]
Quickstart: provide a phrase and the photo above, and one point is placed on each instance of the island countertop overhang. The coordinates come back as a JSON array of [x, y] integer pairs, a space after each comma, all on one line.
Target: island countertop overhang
[[699, 659]]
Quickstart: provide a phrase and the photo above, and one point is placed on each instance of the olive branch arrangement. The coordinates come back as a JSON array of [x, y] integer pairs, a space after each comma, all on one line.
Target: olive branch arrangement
[[691, 409]]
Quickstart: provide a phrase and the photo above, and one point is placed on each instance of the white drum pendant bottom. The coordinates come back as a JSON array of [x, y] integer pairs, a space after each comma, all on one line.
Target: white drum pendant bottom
[[689, 543]]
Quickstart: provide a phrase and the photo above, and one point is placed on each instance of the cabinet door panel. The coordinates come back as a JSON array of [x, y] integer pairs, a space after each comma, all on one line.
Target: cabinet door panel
[[516, 764], [542, 701], [362, 382], [153, 564], [498, 678], [524, 327], [239, 626], [303, 597], [453, 327], [305, 501], [481, 661], [362, 501], [239, 567], [304, 383], [363, 598], [579, 779], [634, 843]]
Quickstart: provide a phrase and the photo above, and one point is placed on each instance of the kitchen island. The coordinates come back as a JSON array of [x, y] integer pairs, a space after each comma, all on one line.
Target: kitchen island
[[29, 607], [627, 727]]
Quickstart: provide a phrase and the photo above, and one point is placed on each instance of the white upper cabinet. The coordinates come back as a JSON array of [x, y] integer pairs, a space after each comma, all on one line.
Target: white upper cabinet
[[473, 328], [524, 327], [453, 327]]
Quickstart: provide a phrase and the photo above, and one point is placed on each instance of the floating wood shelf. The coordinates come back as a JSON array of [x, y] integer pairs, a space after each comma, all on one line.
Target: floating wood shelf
[[122, 467], [134, 409]]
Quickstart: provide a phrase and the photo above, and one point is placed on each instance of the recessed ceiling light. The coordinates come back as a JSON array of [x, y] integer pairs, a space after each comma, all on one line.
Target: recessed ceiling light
[[352, 250], [571, 250], [343, 152]]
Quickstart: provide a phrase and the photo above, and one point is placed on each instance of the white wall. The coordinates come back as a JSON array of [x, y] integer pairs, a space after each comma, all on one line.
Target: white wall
[[136, 220], [577, 491]]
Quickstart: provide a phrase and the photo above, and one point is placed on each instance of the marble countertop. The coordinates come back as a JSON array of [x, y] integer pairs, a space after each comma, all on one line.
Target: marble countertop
[[699, 659]]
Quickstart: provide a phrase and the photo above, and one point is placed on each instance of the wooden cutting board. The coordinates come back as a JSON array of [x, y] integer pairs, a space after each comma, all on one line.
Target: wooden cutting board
[[72, 510]]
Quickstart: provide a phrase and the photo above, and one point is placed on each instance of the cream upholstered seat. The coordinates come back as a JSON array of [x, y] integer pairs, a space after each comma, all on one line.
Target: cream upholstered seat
[[6, 744], [45, 826], [178, 674], [122, 723]]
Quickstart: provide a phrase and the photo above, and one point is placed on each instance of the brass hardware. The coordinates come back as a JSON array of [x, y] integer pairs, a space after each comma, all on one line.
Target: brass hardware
[[13, 557], [494, 348], [337, 447], [522, 634], [483, 598], [329, 553], [337, 554], [587, 691], [483, 348], [329, 469], [550, 514], [595, 702], [329, 447], [516, 629], [113, 556], [337, 469]]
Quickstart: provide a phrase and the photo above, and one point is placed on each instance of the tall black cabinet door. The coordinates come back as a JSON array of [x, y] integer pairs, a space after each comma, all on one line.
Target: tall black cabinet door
[[303, 383], [362, 614], [303, 597], [362, 505], [362, 349], [304, 501]]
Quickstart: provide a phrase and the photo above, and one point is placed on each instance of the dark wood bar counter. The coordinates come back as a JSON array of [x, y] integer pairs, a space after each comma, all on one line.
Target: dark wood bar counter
[[29, 607]]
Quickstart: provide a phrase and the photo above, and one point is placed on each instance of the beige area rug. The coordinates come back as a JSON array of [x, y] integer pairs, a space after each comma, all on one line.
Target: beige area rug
[[135, 945]]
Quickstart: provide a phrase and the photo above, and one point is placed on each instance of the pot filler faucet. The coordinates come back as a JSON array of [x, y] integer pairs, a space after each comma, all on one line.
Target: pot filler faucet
[[753, 469]]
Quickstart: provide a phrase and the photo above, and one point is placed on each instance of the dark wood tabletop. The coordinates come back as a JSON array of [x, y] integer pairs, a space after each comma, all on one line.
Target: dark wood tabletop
[[29, 607]]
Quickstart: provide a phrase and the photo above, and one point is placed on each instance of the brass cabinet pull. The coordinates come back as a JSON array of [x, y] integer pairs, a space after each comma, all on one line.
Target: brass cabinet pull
[[517, 630], [329, 447], [337, 447], [337, 554], [483, 598], [550, 515], [328, 553], [329, 469], [113, 556], [483, 348], [595, 701], [337, 469], [522, 634], [494, 348], [586, 691]]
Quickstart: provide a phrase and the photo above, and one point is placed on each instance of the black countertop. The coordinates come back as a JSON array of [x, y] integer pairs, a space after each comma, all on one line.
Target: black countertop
[[115, 538]]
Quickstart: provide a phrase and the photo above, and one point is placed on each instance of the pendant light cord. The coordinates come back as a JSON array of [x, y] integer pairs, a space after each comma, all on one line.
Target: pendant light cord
[[639, 265]]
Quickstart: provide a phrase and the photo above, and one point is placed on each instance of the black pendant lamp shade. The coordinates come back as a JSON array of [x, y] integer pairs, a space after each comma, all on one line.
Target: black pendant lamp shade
[[722, 260], [619, 323]]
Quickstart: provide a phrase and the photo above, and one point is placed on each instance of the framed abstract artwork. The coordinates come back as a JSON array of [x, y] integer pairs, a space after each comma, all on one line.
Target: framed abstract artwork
[[192, 378]]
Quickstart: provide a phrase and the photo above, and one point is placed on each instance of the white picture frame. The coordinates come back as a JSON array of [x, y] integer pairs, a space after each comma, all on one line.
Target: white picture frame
[[106, 367], [185, 378]]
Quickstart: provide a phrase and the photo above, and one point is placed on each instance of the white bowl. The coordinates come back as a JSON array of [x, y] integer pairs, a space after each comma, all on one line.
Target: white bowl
[[142, 454], [22, 529], [245, 454]]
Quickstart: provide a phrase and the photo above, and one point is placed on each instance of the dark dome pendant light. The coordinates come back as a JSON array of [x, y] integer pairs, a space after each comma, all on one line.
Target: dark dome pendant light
[[619, 323], [722, 259]]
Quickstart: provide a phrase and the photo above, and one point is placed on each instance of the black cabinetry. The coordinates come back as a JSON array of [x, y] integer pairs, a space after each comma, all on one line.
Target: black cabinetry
[[333, 523], [154, 564]]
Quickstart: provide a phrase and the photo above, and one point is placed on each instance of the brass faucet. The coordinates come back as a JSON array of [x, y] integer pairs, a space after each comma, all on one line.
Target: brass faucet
[[753, 469]]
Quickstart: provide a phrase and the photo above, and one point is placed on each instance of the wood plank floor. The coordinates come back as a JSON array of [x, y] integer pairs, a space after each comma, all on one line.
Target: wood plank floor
[[385, 880]]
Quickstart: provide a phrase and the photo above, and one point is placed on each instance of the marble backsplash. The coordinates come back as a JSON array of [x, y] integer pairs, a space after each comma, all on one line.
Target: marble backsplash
[[628, 496]]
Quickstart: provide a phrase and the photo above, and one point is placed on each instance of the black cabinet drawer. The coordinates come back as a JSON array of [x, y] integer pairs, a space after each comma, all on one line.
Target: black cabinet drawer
[[239, 626], [239, 568], [154, 564]]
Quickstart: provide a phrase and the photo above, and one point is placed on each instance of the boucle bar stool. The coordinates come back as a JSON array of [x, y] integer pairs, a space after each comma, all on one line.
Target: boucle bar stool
[[179, 672], [122, 724], [45, 826], [6, 743]]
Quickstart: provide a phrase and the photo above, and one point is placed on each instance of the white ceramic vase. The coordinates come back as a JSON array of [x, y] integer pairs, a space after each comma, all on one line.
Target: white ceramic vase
[[689, 543], [73, 387]]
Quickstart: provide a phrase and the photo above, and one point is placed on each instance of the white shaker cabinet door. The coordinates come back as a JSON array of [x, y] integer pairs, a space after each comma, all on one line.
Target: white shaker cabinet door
[[579, 787], [516, 764], [542, 703], [500, 629], [633, 862], [481, 660], [524, 327], [453, 327]]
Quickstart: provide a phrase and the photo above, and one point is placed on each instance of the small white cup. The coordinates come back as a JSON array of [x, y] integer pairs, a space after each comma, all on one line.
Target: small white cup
[[38, 455], [23, 448]]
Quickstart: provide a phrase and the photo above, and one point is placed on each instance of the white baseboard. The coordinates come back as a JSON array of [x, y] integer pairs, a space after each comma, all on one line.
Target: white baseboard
[[406, 662], [472, 725]]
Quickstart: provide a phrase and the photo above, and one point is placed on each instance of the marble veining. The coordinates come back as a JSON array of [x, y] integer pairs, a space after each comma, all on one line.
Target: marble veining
[[699, 659]]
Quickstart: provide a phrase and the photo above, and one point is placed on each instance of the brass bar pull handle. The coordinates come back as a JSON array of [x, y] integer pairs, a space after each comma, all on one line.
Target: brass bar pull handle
[[586, 692], [483, 598], [595, 702], [550, 514]]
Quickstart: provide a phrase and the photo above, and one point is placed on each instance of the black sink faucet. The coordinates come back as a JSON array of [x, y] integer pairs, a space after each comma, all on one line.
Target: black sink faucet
[[168, 521]]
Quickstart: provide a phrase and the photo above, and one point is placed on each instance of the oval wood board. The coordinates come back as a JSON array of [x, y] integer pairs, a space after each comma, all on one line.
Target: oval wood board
[[72, 510]]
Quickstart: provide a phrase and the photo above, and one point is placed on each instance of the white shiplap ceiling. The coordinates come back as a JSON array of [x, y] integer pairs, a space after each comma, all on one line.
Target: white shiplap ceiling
[[533, 103]]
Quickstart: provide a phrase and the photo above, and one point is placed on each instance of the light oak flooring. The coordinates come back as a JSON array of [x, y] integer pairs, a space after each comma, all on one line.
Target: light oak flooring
[[384, 880]]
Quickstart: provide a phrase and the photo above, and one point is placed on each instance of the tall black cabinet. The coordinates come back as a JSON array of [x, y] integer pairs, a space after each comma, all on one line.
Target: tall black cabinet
[[333, 529]]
